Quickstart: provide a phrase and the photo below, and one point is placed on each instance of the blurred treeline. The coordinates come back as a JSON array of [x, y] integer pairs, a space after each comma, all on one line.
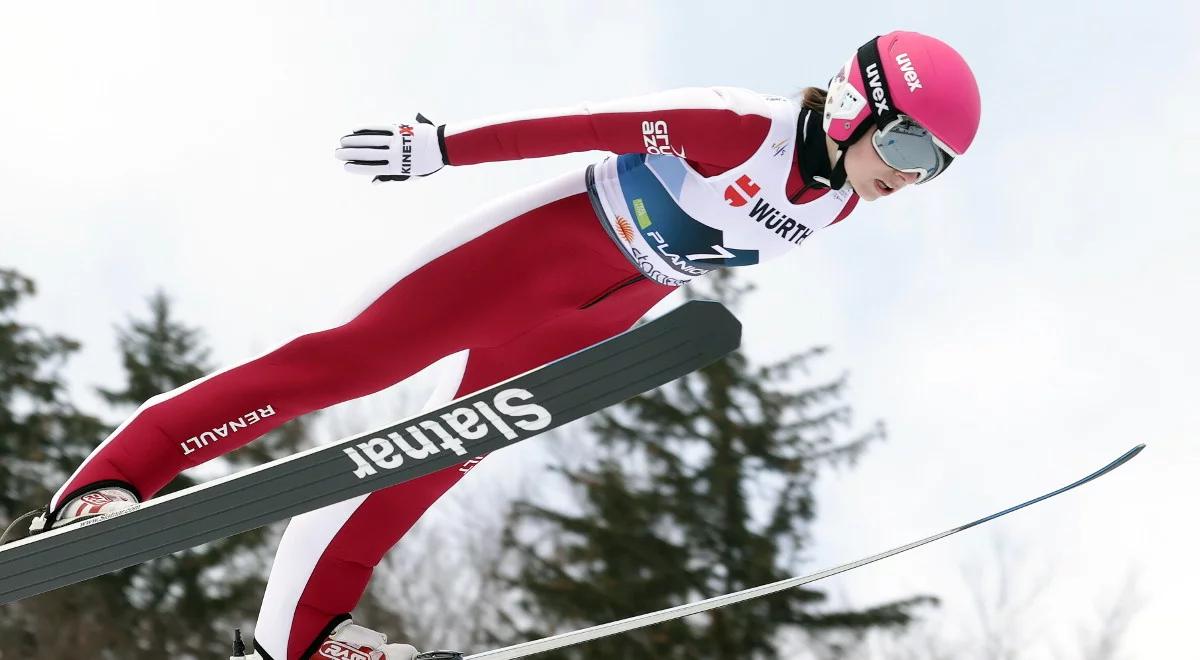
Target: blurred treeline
[[697, 489]]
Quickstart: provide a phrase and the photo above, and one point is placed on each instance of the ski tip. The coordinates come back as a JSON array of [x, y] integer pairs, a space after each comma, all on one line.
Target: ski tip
[[1123, 458]]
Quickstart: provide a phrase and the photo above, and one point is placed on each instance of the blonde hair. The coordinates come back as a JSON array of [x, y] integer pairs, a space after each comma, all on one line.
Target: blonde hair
[[813, 98]]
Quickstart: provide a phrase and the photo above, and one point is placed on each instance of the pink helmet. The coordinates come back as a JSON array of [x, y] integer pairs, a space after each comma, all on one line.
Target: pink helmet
[[923, 78]]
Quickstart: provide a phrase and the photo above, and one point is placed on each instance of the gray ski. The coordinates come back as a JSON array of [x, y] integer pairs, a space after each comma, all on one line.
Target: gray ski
[[688, 338], [596, 632]]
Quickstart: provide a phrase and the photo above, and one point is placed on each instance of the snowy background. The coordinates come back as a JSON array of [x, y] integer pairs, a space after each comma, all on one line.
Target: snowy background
[[1018, 323]]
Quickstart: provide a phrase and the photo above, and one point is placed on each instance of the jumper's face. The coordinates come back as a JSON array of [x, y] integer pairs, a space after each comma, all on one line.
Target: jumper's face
[[870, 177]]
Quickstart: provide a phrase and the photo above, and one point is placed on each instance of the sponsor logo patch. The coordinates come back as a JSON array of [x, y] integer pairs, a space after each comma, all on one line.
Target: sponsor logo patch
[[625, 229], [648, 269], [780, 223], [508, 412], [676, 261], [744, 189], [96, 499], [657, 139], [109, 516], [406, 140], [639, 210], [335, 650], [227, 429]]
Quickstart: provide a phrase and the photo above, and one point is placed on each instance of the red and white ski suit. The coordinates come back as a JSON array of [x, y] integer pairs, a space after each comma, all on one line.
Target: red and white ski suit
[[525, 280]]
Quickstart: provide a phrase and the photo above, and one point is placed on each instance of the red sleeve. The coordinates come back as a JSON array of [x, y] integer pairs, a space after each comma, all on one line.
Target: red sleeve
[[720, 127]]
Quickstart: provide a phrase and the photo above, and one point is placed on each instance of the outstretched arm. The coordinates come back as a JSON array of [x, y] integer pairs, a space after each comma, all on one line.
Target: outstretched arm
[[711, 125], [714, 128]]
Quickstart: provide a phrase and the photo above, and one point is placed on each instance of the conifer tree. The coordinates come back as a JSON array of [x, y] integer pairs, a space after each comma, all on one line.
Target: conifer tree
[[37, 419], [211, 589], [178, 606], [699, 488]]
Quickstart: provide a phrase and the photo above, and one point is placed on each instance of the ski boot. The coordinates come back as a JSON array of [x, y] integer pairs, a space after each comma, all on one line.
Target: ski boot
[[106, 501], [349, 641]]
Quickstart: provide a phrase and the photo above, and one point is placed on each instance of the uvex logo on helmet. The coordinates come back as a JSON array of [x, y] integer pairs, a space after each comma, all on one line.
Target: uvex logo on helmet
[[877, 93], [910, 73]]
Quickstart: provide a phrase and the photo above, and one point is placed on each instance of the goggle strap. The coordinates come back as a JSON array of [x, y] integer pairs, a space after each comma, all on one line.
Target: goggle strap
[[870, 67]]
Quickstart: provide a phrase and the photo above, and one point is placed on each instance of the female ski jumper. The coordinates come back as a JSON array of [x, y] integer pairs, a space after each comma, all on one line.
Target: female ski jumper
[[705, 178]]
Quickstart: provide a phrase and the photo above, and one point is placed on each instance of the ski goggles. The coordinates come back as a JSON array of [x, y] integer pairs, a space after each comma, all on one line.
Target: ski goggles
[[905, 145]]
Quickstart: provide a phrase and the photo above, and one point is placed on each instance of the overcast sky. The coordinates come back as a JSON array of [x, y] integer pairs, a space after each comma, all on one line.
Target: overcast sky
[[1017, 323]]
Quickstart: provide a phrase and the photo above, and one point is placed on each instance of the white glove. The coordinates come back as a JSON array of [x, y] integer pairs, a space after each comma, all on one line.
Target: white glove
[[393, 152]]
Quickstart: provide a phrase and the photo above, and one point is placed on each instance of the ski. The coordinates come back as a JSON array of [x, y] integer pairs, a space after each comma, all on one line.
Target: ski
[[681, 341], [679, 611]]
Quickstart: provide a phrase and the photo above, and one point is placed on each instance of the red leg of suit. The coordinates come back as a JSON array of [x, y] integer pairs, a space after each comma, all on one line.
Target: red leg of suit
[[355, 538], [512, 266], [516, 284]]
